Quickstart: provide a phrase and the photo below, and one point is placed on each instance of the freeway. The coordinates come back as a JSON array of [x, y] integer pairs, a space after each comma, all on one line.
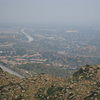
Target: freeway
[[30, 39], [10, 71]]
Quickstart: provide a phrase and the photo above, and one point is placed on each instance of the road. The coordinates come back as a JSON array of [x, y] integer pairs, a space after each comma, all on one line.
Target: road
[[30, 39], [10, 71]]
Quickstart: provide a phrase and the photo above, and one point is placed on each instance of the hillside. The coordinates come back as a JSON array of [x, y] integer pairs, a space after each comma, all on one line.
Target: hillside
[[84, 85]]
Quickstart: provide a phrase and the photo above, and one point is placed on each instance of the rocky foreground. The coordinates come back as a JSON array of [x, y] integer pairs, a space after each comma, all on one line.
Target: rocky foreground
[[83, 85]]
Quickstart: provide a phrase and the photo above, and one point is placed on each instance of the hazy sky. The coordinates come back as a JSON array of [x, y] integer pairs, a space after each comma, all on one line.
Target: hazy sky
[[50, 11]]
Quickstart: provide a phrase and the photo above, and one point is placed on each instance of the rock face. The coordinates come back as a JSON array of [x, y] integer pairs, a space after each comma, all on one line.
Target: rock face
[[84, 85]]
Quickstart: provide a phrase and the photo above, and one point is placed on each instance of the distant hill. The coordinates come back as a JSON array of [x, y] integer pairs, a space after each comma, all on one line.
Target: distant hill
[[83, 85]]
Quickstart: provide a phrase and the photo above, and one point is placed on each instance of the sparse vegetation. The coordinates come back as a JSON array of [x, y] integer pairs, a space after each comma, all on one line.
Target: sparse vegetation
[[84, 85]]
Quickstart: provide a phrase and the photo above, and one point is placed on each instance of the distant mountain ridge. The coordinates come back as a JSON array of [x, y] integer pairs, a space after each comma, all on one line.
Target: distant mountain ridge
[[84, 85]]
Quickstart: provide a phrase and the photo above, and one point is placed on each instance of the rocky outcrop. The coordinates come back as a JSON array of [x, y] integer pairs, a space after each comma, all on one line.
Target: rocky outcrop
[[84, 85]]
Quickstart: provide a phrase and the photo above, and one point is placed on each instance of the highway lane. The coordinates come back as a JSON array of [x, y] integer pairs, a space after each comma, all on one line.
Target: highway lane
[[30, 39], [10, 71]]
